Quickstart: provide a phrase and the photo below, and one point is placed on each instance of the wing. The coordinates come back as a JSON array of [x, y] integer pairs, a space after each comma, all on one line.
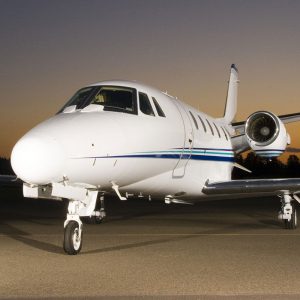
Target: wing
[[10, 180], [252, 187]]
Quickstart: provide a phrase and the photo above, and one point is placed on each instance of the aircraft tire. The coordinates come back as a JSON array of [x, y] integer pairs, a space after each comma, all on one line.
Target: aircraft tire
[[72, 240], [292, 224]]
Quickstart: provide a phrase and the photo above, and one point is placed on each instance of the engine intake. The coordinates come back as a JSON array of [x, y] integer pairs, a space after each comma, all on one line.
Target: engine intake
[[262, 128], [266, 134]]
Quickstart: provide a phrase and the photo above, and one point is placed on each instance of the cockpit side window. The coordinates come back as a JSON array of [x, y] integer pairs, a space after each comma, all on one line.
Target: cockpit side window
[[113, 98], [145, 105], [80, 98], [158, 108]]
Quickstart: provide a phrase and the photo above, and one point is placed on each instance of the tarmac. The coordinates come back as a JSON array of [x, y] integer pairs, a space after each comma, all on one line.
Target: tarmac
[[225, 249]]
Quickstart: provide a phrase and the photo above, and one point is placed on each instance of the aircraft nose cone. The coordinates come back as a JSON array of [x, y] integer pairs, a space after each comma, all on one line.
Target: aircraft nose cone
[[37, 160]]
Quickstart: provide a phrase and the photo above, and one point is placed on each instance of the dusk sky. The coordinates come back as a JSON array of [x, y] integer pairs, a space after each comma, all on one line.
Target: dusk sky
[[49, 49]]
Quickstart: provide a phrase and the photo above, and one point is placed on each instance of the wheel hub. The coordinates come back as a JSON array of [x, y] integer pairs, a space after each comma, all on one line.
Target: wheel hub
[[76, 239]]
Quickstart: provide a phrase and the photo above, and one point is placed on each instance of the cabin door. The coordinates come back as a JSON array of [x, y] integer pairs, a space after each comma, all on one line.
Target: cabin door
[[185, 152]]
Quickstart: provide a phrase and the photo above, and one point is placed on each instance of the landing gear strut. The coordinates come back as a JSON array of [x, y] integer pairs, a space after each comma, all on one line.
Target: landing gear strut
[[288, 212], [98, 214], [90, 208]]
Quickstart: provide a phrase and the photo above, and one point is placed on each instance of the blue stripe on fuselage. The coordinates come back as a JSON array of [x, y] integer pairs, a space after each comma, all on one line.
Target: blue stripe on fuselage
[[173, 156], [207, 154]]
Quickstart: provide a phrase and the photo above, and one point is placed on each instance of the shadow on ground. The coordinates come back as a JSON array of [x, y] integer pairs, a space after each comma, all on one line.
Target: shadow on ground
[[254, 214]]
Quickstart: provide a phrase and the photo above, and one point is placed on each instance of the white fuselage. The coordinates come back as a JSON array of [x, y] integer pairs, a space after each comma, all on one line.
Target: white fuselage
[[142, 154]]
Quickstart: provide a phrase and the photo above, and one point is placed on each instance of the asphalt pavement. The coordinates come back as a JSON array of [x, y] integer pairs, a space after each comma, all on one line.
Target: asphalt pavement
[[231, 249]]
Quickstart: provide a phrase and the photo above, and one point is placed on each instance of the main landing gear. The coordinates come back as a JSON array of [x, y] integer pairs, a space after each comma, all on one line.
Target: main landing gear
[[288, 213], [91, 211]]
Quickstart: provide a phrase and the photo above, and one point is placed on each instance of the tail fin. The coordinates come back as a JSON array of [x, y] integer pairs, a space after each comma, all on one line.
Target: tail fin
[[231, 101]]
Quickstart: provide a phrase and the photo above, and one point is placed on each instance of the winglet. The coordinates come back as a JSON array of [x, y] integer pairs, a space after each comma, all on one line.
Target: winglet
[[231, 101]]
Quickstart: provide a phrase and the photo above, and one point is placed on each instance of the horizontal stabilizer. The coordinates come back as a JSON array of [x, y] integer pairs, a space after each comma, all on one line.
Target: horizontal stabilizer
[[295, 117], [289, 118]]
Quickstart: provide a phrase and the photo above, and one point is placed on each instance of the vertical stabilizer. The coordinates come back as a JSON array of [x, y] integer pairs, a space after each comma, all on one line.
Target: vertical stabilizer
[[231, 101]]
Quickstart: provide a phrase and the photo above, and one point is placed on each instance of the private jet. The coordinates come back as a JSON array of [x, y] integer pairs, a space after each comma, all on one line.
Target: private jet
[[127, 138]]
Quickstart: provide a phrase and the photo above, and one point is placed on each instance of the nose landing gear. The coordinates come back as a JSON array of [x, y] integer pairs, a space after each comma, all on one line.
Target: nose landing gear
[[98, 214], [73, 237], [92, 209]]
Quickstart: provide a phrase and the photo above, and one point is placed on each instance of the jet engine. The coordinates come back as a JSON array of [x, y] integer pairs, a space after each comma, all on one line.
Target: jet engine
[[266, 134]]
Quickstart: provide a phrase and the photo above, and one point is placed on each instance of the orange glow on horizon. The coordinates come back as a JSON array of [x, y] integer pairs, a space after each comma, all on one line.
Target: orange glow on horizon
[[183, 47]]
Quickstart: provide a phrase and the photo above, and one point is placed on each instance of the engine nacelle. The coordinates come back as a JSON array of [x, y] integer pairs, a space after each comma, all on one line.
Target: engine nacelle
[[266, 134]]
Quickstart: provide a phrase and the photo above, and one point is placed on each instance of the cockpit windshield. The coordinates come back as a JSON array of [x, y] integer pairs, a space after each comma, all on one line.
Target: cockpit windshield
[[116, 99], [112, 98]]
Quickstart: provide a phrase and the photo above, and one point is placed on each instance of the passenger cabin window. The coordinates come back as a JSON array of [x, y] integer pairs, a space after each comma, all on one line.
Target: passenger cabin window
[[217, 130], [211, 129], [225, 133], [195, 122], [203, 124], [158, 108], [112, 98], [145, 105]]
